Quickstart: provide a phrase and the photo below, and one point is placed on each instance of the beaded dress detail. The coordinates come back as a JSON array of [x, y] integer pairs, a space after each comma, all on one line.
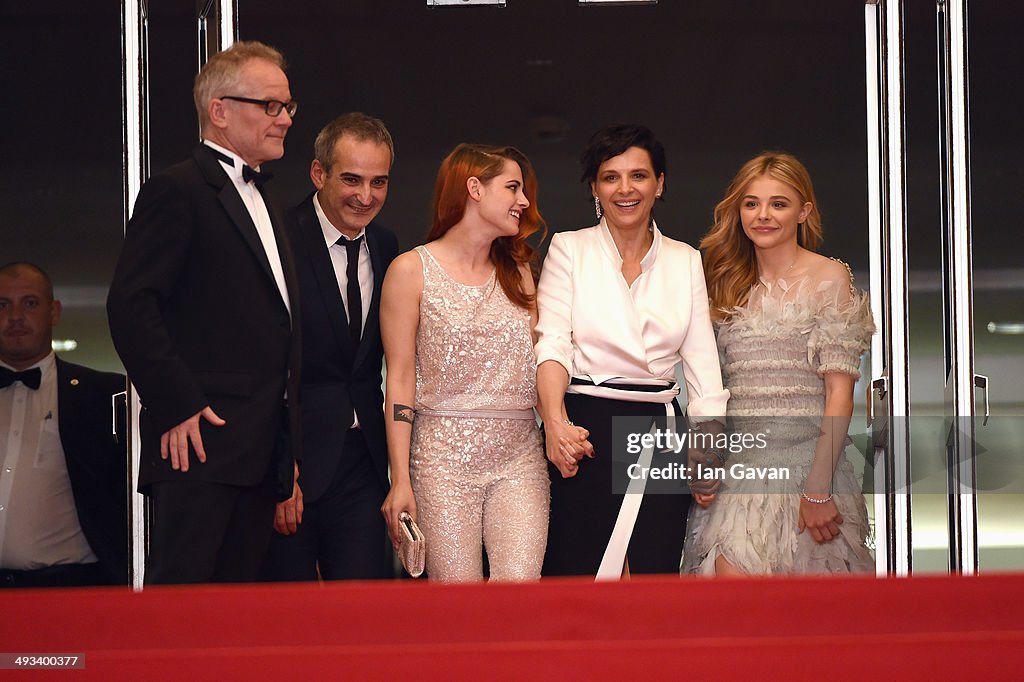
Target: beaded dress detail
[[473, 347], [775, 351], [476, 478]]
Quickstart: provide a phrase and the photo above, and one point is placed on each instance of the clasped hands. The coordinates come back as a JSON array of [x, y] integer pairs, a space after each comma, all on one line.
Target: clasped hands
[[703, 490], [566, 445], [704, 459]]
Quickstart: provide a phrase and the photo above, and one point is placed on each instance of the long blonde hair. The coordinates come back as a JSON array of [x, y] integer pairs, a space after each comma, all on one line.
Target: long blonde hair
[[730, 266]]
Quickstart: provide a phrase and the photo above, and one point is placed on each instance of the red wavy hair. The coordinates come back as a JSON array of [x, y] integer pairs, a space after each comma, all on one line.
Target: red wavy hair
[[450, 195]]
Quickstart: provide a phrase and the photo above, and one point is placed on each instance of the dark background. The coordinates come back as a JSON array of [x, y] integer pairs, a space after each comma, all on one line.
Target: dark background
[[717, 80]]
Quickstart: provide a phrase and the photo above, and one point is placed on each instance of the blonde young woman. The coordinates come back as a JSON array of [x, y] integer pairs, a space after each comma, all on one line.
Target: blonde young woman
[[791, 329]]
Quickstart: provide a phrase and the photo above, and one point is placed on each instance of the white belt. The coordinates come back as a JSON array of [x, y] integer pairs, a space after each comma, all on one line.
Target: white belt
[[615, 553], [478, 414]]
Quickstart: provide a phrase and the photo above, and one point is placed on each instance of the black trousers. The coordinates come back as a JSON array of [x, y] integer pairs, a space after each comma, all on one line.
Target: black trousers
[[584, 509], [342, 535], [208, 532], [62, 575]]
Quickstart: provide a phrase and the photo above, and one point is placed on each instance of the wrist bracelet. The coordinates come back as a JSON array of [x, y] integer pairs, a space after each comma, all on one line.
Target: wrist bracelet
[[812, 500], [720, 454]]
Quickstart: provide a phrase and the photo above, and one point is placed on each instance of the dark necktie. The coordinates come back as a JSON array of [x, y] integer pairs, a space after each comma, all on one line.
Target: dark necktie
[[30, 377], [355, 297]]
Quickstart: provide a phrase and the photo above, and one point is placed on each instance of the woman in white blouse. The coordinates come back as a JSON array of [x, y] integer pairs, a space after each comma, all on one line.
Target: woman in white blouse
[[621, 305]]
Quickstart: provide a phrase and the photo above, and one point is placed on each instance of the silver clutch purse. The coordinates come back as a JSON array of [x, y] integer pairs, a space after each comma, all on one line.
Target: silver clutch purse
[[412, 549]]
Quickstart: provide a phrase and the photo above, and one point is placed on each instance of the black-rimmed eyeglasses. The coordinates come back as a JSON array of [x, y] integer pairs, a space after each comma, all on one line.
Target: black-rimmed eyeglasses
[[273, 107]]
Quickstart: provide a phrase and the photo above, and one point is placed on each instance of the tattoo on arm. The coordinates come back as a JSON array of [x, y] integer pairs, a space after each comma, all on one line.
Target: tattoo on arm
[[404, 413]]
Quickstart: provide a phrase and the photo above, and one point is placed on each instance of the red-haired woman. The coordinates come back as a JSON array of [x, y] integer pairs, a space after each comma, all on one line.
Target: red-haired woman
[[791, 330], [457, 316]]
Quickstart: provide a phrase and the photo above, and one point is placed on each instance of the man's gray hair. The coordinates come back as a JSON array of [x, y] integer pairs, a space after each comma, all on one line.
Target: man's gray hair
[[360, 126], [222, 73]]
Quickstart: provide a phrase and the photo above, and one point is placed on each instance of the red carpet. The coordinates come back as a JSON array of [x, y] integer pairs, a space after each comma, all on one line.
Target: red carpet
[[658, 628]]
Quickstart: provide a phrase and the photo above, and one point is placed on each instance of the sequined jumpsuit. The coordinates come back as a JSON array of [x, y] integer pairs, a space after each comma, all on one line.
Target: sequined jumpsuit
[[477, 462]]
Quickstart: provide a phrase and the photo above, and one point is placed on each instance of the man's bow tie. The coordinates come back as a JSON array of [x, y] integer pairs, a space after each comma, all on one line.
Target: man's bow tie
[[248, 174], [30, 377], [255, 176]]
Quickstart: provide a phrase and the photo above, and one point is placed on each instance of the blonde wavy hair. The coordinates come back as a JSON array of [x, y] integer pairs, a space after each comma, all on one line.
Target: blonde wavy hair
[[730, 266]]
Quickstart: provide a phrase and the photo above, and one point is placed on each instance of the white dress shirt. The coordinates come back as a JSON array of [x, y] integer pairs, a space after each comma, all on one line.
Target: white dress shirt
[[339, 259], [599, 328], [38, 520], [257, 209]]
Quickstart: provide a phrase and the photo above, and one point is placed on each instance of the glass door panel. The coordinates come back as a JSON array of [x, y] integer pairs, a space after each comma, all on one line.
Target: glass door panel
[[996, 173]]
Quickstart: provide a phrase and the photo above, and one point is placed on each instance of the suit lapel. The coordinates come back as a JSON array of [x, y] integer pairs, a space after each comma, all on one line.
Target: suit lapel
[[323, 272], [236, 210], [285, 253], [67, 408]]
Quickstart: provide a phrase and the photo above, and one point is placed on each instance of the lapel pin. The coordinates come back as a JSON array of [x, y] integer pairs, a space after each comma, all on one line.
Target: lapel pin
[[74, 382]]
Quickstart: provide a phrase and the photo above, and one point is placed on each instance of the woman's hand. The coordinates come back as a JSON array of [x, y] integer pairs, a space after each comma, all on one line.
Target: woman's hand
[[400, 499], [821, 519], [703, 500], [702, 463], [565, 445]]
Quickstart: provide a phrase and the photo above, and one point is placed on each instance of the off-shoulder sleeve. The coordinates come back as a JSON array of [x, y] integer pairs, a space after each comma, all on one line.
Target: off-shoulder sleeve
[[842, 333], [554, 306]]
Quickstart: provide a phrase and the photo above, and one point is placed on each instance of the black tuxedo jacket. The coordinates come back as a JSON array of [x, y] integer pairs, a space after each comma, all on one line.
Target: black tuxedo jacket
[[336, 377], [197, 318], [97, 462]]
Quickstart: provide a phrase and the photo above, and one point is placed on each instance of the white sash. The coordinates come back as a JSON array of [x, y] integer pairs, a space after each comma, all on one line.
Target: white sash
[[615, 553]]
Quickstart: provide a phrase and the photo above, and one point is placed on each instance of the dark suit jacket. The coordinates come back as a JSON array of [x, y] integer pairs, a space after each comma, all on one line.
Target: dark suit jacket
[[337, 377], [97, 462], [197, 318]]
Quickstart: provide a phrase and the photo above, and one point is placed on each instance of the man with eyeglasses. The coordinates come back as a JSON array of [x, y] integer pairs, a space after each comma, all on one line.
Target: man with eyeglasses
[[203, 312]]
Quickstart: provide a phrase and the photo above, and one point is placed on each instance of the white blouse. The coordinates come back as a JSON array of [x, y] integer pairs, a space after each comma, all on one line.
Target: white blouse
[[599, 328]]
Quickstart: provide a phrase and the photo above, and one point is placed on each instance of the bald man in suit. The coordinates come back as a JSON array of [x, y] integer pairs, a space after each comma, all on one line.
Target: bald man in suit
[[63, 471]]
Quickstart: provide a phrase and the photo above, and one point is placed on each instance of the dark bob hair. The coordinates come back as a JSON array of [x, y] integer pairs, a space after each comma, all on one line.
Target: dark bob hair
[[614, 140]]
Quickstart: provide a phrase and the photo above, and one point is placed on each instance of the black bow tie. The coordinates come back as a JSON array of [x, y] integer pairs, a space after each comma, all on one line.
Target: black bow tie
[[30, 377], [254, 176], [248, 174]]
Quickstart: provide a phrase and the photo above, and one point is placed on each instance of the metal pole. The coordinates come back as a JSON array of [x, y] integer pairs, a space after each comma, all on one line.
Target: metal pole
[[135, 170], [955, 164], [889, 401]]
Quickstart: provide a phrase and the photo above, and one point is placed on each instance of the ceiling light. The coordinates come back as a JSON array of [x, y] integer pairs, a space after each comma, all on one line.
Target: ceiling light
[[1005, 327], [63, 345], [549, 128], [442, 3]]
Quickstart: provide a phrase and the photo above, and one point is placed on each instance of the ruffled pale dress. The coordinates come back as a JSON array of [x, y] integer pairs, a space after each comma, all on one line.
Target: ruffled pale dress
[[775, 351]]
